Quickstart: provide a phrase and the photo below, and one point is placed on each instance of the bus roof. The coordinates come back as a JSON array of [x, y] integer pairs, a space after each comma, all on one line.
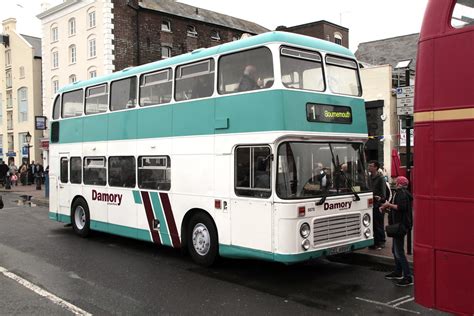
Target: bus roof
[[265, 38]]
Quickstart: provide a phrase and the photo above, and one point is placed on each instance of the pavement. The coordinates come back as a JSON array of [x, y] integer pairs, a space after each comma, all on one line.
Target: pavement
[[382, 256]]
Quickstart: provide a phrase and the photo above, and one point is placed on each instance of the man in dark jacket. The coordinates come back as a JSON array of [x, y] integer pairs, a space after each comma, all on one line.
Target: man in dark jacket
[[249, 80], [377, 184], [3, 173], [400, 212]]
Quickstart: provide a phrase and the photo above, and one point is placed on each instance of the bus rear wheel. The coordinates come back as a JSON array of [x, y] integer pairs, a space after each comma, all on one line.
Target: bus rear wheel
[[80, 218], [202, 240]]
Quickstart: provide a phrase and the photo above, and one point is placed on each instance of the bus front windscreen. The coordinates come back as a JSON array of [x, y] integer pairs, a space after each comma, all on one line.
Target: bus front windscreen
[[309, 170]]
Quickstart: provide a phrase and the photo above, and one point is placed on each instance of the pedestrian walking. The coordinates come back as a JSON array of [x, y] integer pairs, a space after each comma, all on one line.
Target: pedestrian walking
[[378, 186], [400, 222]]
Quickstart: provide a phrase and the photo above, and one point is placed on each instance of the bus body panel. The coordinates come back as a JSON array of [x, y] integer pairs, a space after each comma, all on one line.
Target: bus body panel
[[444, 199]]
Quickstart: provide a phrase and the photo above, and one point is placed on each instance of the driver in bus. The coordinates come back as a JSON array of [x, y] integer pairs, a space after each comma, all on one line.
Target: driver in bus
[[319, 181], [249, 80]]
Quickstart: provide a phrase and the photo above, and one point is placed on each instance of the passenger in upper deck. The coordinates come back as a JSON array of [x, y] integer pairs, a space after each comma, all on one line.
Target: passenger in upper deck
[[249, 80]]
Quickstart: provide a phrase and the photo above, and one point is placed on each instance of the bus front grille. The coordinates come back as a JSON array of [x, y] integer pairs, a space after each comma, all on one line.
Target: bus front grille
[[336, 228]]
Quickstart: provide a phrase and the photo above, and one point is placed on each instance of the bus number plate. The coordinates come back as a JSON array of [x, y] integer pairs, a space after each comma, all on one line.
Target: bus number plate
[[336, 250]]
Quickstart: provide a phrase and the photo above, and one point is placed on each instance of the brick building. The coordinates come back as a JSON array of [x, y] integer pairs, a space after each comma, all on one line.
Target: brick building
[[321, 29]]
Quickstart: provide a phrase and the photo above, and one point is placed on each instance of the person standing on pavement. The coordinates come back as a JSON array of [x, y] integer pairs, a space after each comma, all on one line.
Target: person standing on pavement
[[3, 172], [377, 184], [400, 211]]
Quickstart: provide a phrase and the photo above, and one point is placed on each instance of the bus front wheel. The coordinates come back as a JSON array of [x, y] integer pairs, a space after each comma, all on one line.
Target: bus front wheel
[[80, 218], [202, 240]]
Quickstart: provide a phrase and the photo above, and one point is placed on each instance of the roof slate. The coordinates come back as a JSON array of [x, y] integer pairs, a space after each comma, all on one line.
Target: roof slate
[[389, 51], [35, 42], [190, 12]]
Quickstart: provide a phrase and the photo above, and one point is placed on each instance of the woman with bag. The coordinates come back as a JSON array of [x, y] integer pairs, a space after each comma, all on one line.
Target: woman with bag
[[400, 222]]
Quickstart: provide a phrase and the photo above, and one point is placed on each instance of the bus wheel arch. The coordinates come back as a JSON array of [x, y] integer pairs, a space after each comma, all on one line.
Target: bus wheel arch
[[199, 237], [80, 216]]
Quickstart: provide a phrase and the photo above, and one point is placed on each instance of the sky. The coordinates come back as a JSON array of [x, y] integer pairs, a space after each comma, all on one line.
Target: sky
[[367, 20]]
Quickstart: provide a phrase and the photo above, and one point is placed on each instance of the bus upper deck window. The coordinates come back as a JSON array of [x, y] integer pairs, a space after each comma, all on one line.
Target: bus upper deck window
[[246, 71], [123, 94], [56, 108], [343, 76], [97, 99], [463, 14], [156, 87], [195, 80], [301, 69], [73, 103]]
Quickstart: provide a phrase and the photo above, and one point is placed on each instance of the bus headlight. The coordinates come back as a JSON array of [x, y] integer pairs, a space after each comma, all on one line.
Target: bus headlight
[[305, 230], [366, 220], [367, 232], [305, 244]]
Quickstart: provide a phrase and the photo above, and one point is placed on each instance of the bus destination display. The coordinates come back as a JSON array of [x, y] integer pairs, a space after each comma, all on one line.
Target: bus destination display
[[328, 113]]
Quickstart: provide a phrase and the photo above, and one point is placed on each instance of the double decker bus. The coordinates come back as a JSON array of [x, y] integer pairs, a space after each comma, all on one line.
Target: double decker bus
[[444, 154], [250, 149]]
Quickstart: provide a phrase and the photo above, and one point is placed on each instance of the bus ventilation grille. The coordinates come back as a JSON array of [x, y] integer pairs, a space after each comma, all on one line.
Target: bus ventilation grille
[[336, 228]]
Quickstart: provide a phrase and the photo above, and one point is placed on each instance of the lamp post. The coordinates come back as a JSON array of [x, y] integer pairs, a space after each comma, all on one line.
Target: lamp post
[[28, 146]]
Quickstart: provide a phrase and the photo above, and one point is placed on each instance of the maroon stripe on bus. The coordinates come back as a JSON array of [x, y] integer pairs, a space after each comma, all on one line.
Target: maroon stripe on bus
[[165, 201], [151, 217]]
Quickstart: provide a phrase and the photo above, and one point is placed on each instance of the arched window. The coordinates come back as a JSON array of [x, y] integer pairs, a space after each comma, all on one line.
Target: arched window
[[22, 104], [338, 38], [91, 47], [54, 33], [72, 78], [54, 58], [54, 85], [165, 52], [72, 54], [92, 72], [91, 17], [72, 26]]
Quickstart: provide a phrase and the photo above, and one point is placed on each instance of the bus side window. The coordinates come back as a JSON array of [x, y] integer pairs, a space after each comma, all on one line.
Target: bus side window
[[123, 94], [94, 171], [154, 172], [195, 80], [156, 88], [122, 172], [73, 103], [245, 71], [253, 171], [76, 170], [64, 172]]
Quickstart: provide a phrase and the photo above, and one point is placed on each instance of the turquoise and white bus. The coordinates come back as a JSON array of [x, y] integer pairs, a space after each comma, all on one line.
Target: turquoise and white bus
[[184, 152]]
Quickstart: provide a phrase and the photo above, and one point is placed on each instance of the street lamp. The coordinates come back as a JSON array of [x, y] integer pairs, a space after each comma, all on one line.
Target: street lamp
[[28, 146]]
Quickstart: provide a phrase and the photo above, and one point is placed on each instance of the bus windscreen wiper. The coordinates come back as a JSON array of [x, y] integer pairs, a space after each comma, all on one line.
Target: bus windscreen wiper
[[338, 167], [349, 183]]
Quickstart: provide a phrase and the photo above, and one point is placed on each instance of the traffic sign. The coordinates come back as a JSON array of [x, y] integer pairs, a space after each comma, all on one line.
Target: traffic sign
[[407, 110], [406, 92]]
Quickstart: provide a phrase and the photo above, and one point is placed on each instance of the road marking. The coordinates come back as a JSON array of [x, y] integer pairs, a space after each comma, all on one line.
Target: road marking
[[386, 305], [399, 299], [53, 298], [403, 302]]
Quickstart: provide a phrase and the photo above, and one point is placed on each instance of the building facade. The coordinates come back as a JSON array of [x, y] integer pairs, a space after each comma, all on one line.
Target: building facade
[[20, 94], [323, 30]]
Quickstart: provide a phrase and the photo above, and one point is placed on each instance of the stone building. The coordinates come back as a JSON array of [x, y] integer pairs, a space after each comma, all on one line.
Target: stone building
[[20, 94]]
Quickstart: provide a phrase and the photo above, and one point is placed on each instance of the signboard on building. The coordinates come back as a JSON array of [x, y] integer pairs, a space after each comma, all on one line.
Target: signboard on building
[[40, 122], [11, 154], [44, 144]]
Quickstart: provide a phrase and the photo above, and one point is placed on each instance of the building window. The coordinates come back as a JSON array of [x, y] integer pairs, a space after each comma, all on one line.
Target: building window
[[11, 143], [9, 120], [8, 58], [72, 78], [55, 60], [1, 115], [338, 38], [91, 16], [9, 100], [154, 172], [191, 31], [22, 72], [72, 54], [95, 171], [92, 73], [165, 52], [122, 172], [55, 85], [91, 49], [215, 36], [253, 171], [8, 77], [22, 104], [54, 34], [166, 26], [72, 27]]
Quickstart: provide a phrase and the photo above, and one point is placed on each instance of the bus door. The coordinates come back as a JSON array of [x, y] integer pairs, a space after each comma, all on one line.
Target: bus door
[[64, 199], [251, 204]]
